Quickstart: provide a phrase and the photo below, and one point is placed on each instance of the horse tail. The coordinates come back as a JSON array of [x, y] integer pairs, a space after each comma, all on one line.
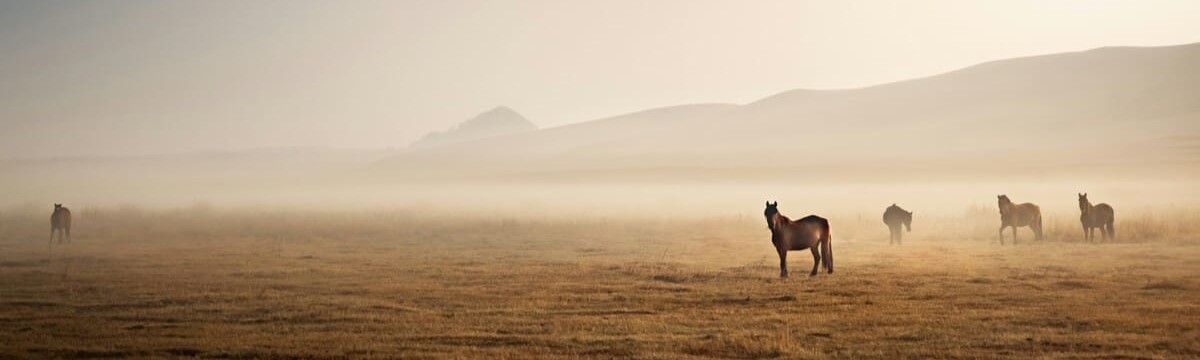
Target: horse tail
[[827, 246]]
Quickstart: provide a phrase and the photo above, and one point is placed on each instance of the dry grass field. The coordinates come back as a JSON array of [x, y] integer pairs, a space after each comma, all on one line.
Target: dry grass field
[[241, 285]]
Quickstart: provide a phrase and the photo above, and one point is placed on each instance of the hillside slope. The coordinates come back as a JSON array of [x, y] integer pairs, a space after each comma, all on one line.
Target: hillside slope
[[499, 121], [1109, 105]]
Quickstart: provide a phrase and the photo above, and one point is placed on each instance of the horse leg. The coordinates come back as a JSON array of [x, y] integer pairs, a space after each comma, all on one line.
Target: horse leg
[[816, 260], [51, 238], [827, 254], [1014, 235], [1112, 234], [1002, 235], [68, 235], [899, 236], [783, 263]]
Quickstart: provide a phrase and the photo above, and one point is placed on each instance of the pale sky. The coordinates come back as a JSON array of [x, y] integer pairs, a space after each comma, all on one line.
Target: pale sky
[[149, 77]]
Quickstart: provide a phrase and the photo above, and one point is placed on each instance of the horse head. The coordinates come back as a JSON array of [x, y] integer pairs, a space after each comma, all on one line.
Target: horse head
[[57, 206], [908, 221], [770, 212], [1003, 201], [1084, 204]]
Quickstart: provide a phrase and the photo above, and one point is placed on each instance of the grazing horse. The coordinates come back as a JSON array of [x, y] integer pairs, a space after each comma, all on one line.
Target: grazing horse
[[807, 233], [1018, 215], [894, 216], [60, 221], [1095, 216]]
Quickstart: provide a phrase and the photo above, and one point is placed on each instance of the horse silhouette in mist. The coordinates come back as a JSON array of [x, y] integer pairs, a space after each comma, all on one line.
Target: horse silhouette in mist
[[894, 217], [60, 221], [810, 232], [1018, 215], [1095, 216]]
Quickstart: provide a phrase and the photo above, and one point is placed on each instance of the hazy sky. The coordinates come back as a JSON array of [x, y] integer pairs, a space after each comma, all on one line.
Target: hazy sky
[[134, 77]]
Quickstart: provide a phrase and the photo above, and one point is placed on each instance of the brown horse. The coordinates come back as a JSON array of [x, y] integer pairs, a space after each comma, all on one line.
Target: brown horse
[[1095, 216], [807, 233], [60, 221], [894, 217], [1018, 215]]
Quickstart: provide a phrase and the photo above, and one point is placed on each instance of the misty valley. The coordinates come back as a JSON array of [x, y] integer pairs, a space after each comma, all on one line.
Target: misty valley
[[599, 180]]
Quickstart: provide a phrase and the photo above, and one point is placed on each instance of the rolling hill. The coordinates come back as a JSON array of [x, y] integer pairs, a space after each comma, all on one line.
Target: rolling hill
[[1113, 106]]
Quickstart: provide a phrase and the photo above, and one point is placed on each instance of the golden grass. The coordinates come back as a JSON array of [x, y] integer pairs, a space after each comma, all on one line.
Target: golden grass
[[214, 284]]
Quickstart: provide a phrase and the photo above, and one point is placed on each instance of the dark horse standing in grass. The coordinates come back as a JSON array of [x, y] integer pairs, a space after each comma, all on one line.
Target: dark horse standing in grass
[[809, 232], [60, 221], [1018, 215], [894, 217], [1095, 216]]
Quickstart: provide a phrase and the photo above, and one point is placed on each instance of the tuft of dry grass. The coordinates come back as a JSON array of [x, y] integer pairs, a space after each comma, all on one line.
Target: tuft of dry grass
[[261, 284], [1165, 285]]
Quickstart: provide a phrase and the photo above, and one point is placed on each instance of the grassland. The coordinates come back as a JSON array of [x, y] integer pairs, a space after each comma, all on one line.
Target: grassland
[[212, 284]]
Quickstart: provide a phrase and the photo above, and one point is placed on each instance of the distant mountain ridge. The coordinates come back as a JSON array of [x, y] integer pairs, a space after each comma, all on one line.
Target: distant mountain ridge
[[1107, 105], [499, 121]]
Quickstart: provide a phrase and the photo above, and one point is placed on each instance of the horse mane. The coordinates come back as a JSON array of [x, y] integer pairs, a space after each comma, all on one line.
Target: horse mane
[[778, 220]]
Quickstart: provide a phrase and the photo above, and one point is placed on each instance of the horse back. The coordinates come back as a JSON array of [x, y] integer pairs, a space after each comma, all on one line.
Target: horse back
[[1105, 210], [61, 218], [804, 233], [815, 220], [1102, 214], [1022, 214], [893, 216]]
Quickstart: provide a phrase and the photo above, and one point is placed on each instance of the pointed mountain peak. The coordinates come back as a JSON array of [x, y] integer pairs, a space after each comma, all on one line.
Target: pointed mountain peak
[[499, 121]]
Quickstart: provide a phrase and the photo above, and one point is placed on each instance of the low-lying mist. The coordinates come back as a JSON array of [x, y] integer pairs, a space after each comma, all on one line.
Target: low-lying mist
[[958, 213]]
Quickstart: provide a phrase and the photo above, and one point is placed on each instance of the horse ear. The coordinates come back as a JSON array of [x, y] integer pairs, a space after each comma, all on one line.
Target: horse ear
[[768, 203]]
